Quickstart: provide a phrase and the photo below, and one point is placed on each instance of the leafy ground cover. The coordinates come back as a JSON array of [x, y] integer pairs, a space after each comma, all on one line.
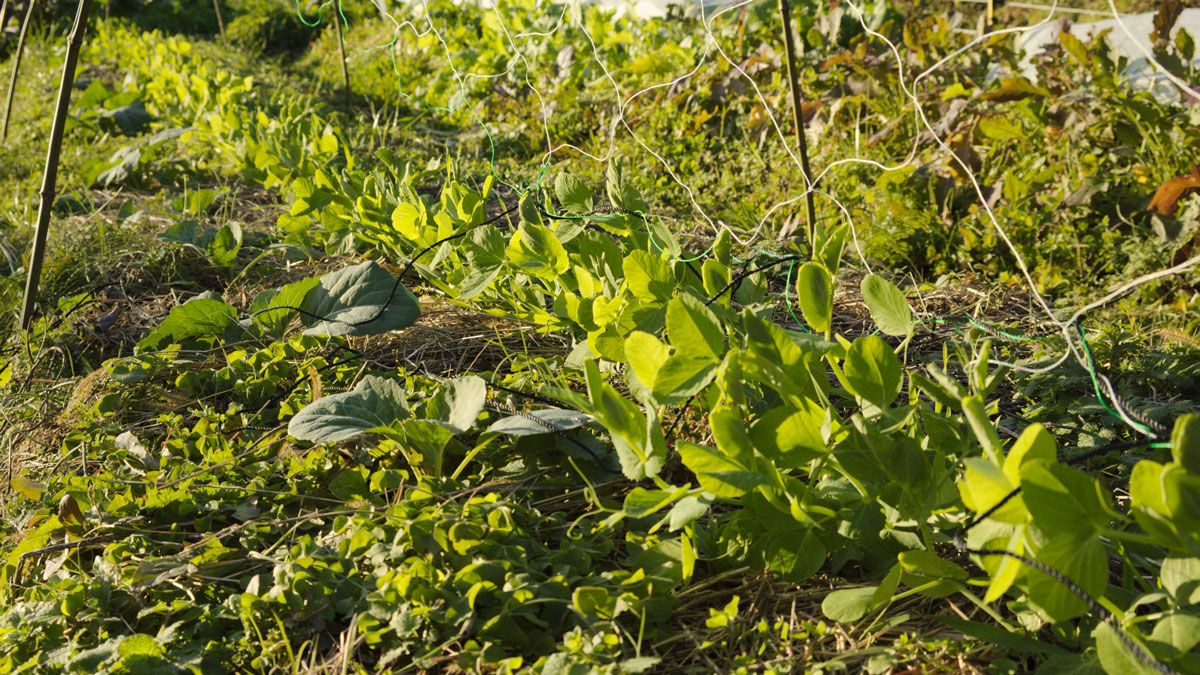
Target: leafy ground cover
[[521, 358]]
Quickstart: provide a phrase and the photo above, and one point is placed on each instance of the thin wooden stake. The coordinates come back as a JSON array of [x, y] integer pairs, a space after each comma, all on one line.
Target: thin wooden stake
[[785, 12], [3, 17], [220, 21], [50, 175], [12, 82], [337, 26]]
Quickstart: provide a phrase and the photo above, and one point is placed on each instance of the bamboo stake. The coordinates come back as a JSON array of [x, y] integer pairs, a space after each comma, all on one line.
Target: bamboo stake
[[337, 26], [50, 175], [12, 82], [3, 17], [220, 21], [785, 12]]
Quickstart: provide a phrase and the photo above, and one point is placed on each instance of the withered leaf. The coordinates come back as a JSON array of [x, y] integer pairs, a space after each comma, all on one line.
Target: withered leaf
[[1166, 198]]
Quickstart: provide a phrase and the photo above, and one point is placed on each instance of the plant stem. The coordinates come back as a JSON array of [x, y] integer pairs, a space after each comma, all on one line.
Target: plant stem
[[337, 26], [785, 12], [220, 19], [12, 82], [50, 175]]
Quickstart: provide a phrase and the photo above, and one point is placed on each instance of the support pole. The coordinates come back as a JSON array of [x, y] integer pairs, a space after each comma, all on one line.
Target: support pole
[[220, 21], [3, 17], [12, 82], [337, 26], [785, 12], [50, 175]]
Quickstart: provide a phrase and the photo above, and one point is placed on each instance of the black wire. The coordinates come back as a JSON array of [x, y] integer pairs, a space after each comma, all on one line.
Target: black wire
[[738, 279]]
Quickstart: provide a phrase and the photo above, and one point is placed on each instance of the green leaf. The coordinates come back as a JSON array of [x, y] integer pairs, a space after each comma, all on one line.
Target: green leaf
[[790, 437], [1180, 576], [641, 502], [1001, 129], [591, 601], [887, 305], [461, 400], [848, 605], [198, 317], [375, 404], [650, 276], [693, 329], [1034, 443], [574, 195], [984, 485], [30, 489], [1080, 559], [873, 372], [928, 564], [688, 509], [1062, 500], [717, 472], [996, 635], [681, 377], [278, 305], [620, 192], [646, 355], [226, 244], [361, 300], [1115, 657], [528, 208], [636, 435], [537, 252], [814, 291], [1176, 633], [1185, 443], [550, 419]]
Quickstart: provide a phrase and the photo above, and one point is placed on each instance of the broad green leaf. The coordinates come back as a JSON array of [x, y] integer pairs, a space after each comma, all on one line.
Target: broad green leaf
[[814, 292], [536, 251], [591, 601], [278, 310], [641, 502], [848, 605], [1034, 443], [1185, 443], [528, 209], [928, 564], [688, 509], [729, 431], [693, 328], [1008, 568], [620, 192], [30, 489], [1078, 558], [984, 485], [790, 437], [542, 422], [636, 435], [717, 472], [1180, 576], [462, 400], [1115, 656], [1062, 499], [646, 355], [1001, 129], [1177, 633], [650, 276], [887, 305], [982, 427], [226, 244], [199, 317], [574, 195], [873, 371], [375, 404], [361, 300], [681, 377]]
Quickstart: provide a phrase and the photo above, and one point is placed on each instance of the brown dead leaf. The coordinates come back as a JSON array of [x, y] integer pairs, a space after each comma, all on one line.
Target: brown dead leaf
[[1166, 198]]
